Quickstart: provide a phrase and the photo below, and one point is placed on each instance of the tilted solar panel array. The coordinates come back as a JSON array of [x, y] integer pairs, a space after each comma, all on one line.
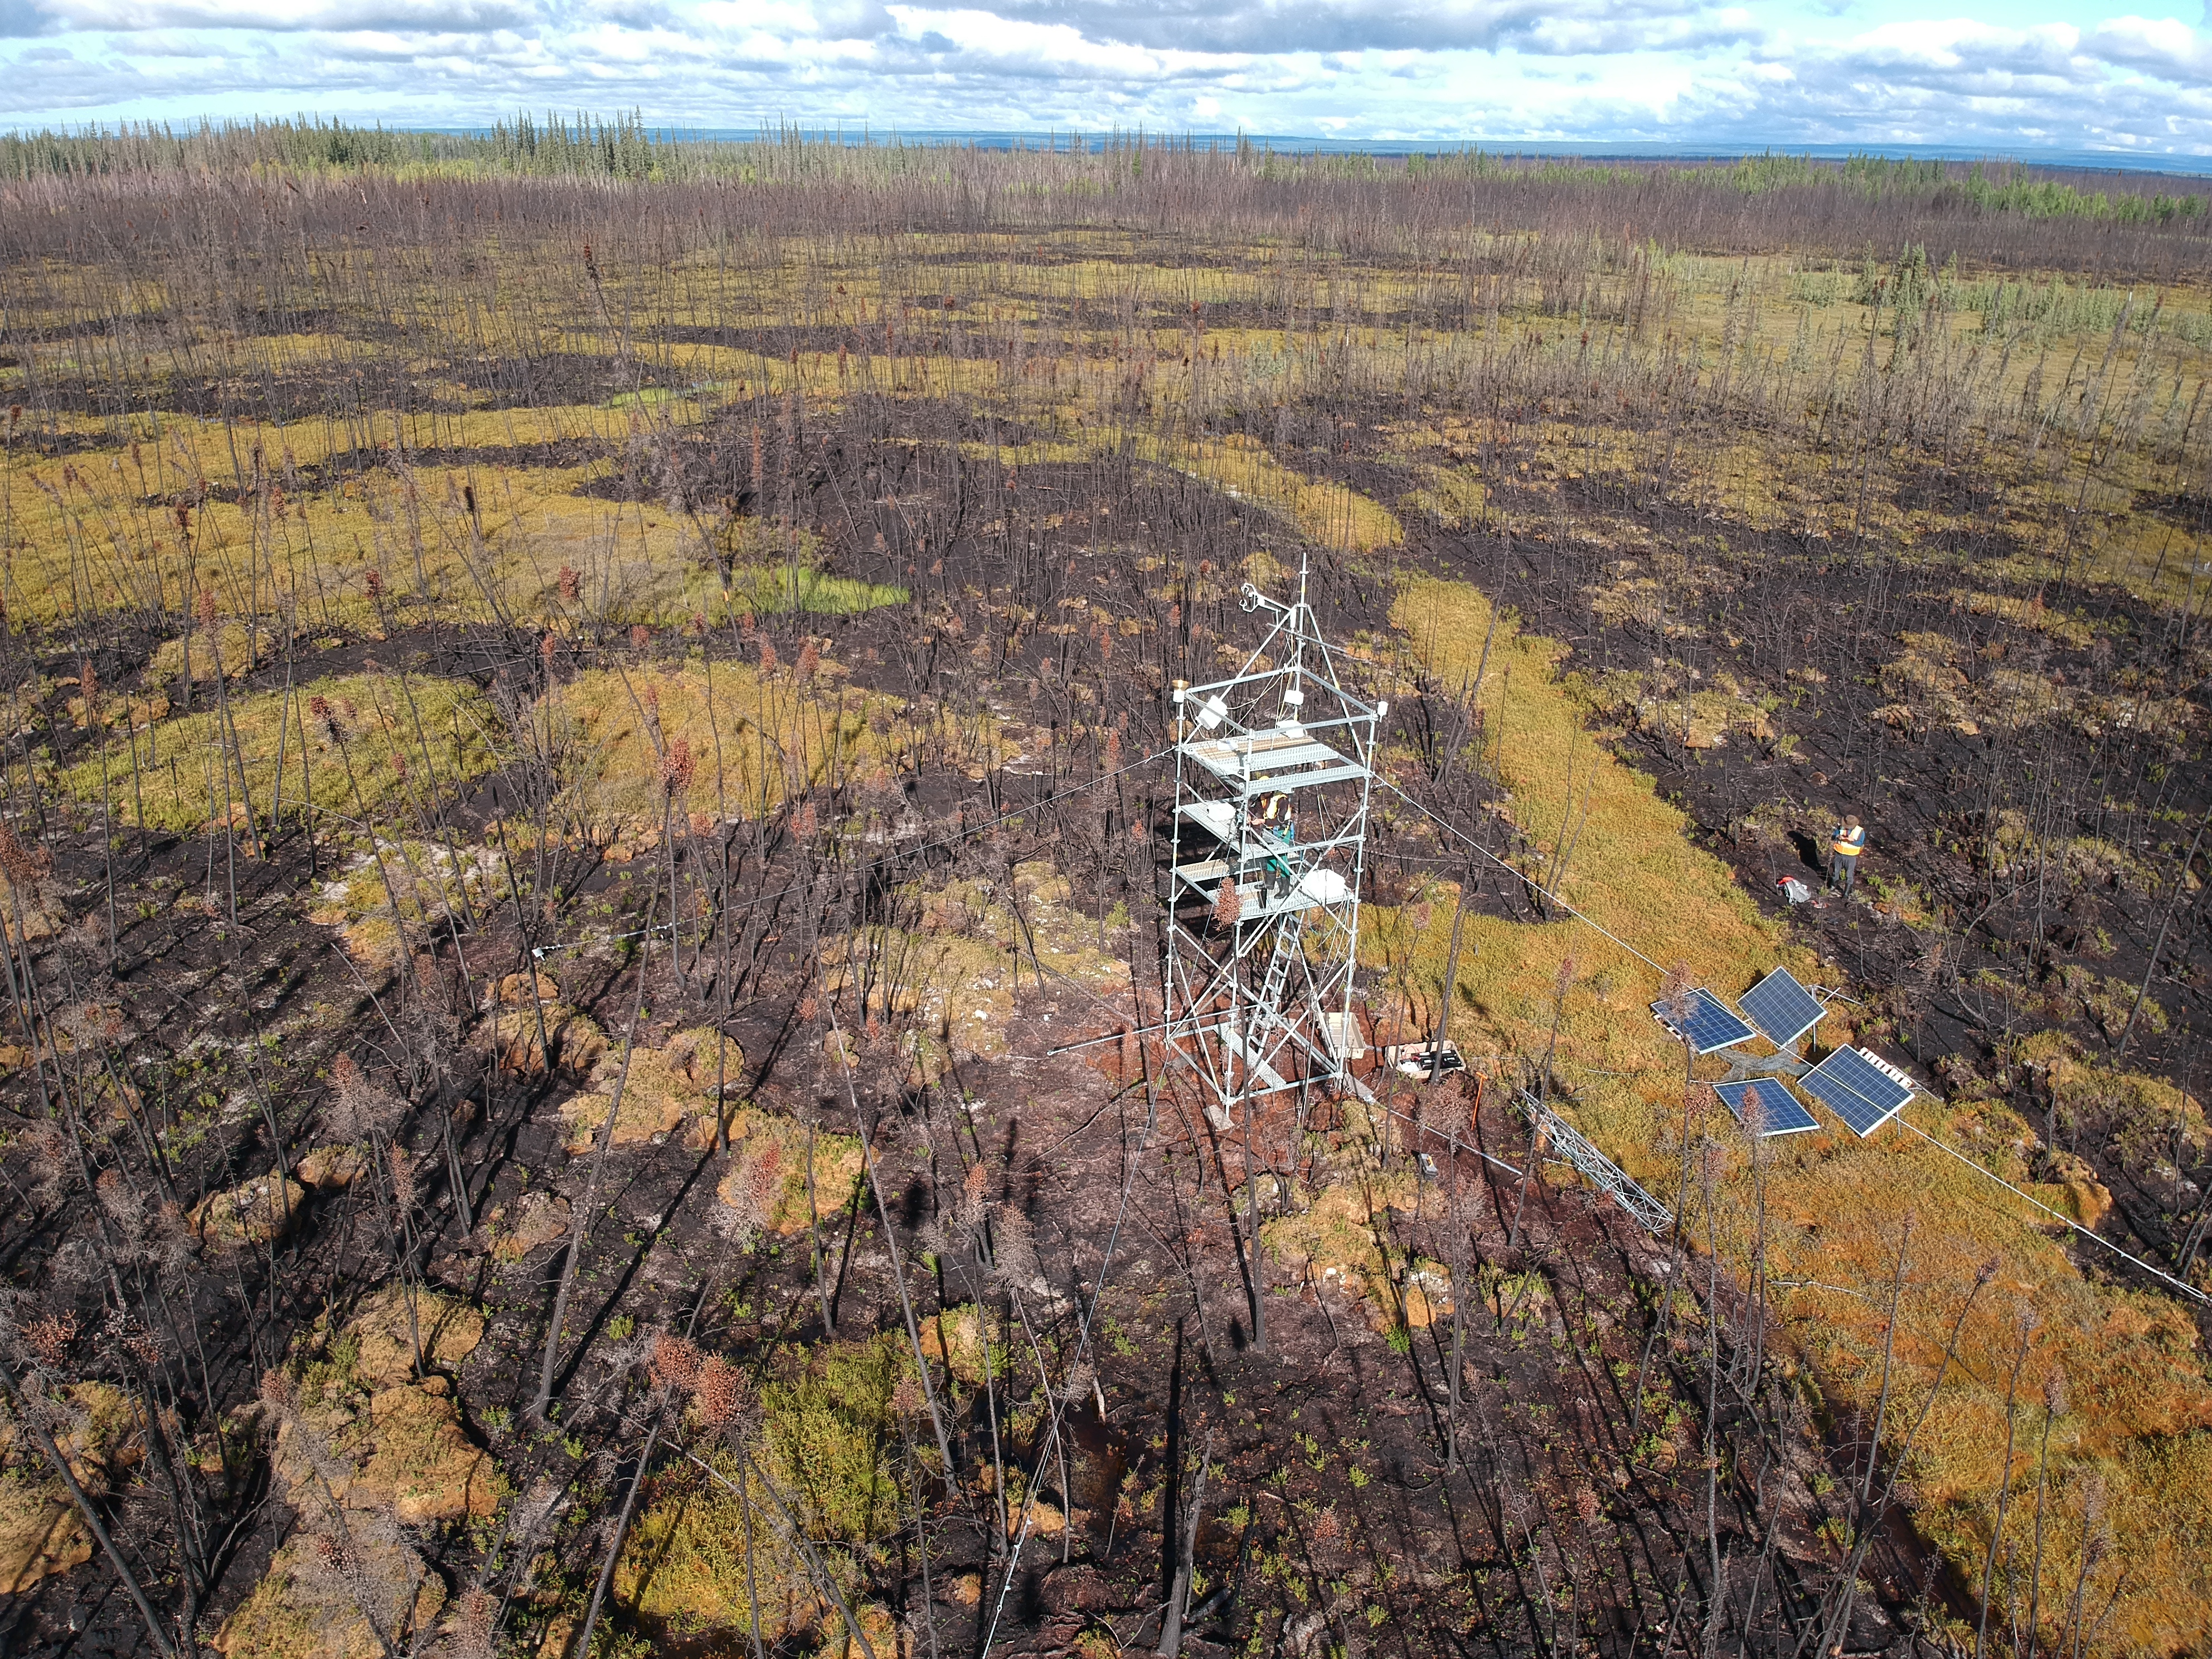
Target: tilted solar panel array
[[1779, 1112], [1710, 1024], [1856, 1088], [1781, 1008]]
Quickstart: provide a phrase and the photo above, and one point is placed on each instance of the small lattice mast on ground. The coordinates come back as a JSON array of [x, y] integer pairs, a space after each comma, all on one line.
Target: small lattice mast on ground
[[1273, 772]]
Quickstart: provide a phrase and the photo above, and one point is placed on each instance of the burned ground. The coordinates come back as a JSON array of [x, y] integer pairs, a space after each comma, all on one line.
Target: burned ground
[[895, 1243]]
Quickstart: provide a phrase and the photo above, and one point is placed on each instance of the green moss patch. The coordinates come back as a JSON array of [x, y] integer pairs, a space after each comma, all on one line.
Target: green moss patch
[[828, 1439], [398, 736]]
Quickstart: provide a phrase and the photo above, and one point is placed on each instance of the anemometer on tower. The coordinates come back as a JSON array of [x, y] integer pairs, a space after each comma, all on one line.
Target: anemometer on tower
[[1274, 767]]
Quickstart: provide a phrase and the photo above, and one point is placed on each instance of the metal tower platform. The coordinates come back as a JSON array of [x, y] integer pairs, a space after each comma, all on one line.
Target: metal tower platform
[[1274, 772]]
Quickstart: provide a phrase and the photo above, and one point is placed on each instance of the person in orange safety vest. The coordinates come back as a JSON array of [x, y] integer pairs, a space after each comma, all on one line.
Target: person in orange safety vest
[[1845, 842]]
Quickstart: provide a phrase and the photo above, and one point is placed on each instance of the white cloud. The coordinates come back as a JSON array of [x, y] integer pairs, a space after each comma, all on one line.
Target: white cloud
[[1686, 72], [2163, 46], [281, 16]]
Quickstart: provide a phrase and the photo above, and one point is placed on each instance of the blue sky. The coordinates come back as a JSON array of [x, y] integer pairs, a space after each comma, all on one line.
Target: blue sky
[[2010, 78]]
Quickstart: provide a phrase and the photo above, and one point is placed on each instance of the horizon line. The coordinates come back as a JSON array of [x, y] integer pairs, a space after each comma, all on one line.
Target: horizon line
[[864, 131]]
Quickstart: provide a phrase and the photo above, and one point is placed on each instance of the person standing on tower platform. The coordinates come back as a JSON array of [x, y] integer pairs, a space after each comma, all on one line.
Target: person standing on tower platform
[[1845, 842], [1275, 817]]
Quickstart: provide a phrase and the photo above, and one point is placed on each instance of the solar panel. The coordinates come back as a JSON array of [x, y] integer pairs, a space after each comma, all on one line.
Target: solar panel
[[1710, 1024], [1779, 1111], [1857, 1088], [1783, 1009]]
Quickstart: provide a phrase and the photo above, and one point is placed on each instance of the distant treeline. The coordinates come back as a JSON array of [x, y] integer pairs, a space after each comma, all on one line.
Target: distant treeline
[[552, 146], [625, 147], [1996, 187]]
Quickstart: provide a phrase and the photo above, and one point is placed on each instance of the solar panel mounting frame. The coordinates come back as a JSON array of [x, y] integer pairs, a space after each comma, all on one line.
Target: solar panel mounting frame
[[1759, 1007], [1707, 1019], [1797, 1123], [1865, 1104]]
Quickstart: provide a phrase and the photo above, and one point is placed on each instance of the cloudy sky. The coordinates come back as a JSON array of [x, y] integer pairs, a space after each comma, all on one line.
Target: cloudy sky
[[2008, 75]]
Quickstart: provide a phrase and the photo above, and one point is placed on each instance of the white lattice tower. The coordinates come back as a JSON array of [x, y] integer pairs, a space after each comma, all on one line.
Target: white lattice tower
[[1274, 767]]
